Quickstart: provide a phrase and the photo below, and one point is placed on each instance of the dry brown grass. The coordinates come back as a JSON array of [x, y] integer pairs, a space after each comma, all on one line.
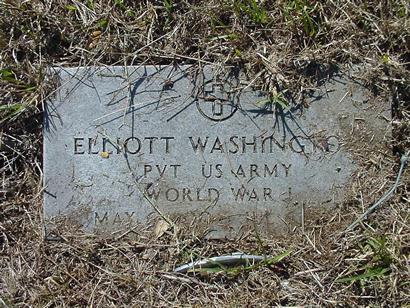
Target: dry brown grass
[[281, 45]]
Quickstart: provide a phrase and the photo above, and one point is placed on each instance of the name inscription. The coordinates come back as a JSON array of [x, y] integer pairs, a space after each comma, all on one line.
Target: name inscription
[[210, 145]]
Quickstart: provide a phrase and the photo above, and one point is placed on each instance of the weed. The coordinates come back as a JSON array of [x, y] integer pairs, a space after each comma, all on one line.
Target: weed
[[275, 99], [168, 5], [10, 111], [71, 7], [304, 12], [90, 4], [120, 4], [7, 75], [237, 53], [232, 37], [378, 265], [252, 10], [102, 23], [385, 59], [401, 11]]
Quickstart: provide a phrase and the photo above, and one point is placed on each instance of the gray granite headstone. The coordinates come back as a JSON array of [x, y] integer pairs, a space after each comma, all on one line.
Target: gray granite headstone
[[126, 145]]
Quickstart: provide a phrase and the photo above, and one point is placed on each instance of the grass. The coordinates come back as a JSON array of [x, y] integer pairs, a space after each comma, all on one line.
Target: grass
[[252, 10], [284, 46], [302, 13], [376, 264]]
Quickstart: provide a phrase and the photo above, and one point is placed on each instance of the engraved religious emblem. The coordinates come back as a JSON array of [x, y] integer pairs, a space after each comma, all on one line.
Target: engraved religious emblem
[[218, 102]]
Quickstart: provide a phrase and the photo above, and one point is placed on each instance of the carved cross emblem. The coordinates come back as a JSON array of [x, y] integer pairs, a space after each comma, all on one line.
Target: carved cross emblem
[[216, 104]]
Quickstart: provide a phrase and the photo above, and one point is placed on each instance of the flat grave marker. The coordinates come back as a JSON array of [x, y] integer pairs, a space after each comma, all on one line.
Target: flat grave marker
[[125, 145]]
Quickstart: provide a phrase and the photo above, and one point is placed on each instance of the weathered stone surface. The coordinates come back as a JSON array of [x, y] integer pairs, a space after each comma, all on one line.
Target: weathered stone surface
[[121, 144]]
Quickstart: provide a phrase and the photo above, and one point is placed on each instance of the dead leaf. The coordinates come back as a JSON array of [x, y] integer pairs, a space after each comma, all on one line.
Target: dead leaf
[[161, 227], [104, 154], [96, 33]]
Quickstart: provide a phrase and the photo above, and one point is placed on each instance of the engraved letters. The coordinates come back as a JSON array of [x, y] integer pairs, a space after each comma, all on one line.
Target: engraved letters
[[152, 172], [131, 145]]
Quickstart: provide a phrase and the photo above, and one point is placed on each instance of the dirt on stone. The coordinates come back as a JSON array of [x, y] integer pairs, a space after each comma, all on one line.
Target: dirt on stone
[[287, 48]]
